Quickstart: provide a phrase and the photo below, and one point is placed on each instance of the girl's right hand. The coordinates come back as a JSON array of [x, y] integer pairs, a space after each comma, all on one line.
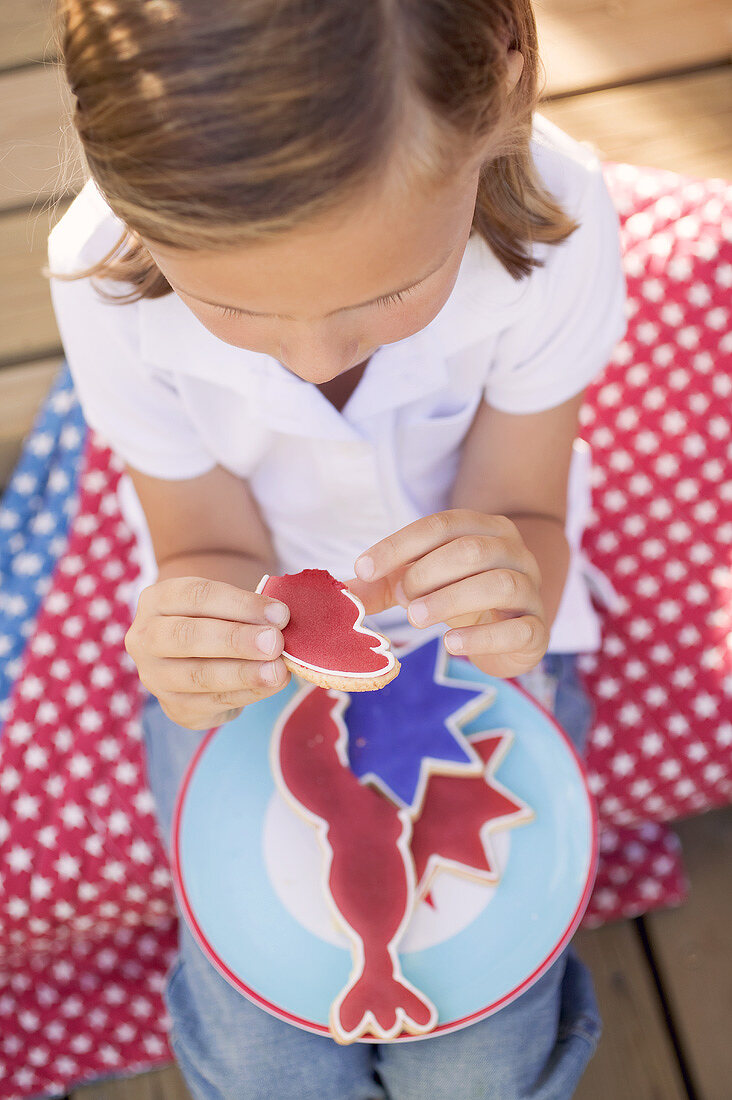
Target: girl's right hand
[[207, 649]]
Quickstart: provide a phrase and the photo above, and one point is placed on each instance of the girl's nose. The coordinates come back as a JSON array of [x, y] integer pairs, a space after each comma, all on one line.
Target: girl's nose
[[318, 354]]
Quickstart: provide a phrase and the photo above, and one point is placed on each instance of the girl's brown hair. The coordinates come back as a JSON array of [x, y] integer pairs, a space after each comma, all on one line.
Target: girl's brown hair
[[210, 122]]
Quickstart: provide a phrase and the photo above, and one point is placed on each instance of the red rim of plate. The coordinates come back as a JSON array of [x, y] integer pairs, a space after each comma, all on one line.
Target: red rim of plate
[[441, 1029]]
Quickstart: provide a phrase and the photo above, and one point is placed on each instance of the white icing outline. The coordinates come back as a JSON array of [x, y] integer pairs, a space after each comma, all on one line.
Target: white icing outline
[[384, 645], [368, 1025], [522, 816]]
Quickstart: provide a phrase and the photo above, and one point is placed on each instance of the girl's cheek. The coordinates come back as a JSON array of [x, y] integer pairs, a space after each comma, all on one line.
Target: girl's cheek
[[241, 332], [408, 317], [399, 323]]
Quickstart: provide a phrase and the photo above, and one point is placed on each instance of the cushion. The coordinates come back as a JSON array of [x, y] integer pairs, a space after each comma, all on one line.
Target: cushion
[[658, 422], [87, 921]]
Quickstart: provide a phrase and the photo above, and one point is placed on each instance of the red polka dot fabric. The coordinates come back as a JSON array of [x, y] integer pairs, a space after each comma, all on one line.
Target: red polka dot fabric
[[87, 921], [659, 425]]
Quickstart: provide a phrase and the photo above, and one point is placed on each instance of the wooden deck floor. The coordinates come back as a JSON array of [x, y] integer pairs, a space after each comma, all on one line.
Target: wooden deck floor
[[648, 81]]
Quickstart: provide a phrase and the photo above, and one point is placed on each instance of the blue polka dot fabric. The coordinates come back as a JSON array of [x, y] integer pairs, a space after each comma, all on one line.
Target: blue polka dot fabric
[[35, 513]]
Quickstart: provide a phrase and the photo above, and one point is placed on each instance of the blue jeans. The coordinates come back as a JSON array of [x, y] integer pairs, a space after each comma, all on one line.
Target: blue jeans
[[229, 1049]]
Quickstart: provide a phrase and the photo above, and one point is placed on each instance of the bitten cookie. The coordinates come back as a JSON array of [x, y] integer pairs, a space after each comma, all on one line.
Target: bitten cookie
[[325, 639]]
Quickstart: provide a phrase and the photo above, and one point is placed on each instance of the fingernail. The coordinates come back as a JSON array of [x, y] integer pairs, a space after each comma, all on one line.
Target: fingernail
[[266, 641], [364, 568], [276, 613], [270, 673], [454, 642], [418, 612]]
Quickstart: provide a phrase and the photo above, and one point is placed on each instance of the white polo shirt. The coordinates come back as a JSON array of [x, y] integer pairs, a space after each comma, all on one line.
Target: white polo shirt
[[173, 400]]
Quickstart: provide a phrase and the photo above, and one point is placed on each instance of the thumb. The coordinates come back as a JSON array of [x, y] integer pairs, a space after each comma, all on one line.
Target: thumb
[[374, 595]]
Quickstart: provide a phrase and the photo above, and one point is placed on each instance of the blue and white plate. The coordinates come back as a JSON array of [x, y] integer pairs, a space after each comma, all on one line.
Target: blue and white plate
[[248, 870]]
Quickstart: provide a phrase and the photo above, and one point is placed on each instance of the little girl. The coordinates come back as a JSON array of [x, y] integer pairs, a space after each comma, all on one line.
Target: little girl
[[347, 293]]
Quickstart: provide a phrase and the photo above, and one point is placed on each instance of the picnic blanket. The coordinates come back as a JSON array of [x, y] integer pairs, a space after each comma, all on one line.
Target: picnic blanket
[[87, 921]]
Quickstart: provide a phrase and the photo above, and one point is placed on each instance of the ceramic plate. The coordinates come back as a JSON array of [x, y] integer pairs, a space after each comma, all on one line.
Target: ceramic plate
[[248, 869]]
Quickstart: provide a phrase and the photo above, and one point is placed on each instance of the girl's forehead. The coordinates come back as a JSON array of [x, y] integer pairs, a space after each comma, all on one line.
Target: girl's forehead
[[386, 238]]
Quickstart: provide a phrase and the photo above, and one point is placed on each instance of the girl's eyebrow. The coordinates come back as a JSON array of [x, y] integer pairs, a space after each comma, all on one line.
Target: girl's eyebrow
[[343, 309]]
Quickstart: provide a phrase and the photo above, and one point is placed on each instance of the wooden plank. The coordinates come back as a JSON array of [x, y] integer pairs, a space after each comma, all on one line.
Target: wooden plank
[[589, 43], [27, 324], [635, 1058], [692, 947], [163, 1084], [25, 31], [684, 124], [21, 391], [39, 150]]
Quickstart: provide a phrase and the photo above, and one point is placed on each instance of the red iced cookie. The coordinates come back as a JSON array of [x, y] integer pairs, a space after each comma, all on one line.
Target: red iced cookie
[[325, 639], [368, 873]]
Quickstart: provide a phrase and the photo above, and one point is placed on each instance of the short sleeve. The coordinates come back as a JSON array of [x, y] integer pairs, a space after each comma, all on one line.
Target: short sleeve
[[138, 413], [571, 316]]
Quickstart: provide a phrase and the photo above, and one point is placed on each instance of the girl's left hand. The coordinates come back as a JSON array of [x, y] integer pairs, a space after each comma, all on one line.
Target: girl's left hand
[[471, 571]]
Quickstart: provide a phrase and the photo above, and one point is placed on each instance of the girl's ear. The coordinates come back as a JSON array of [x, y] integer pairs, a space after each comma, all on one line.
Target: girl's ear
[[515, 68]]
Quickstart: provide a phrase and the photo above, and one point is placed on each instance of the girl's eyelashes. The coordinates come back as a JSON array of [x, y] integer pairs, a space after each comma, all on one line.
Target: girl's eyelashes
[[390, 299], [229, 311], [383, 302]]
